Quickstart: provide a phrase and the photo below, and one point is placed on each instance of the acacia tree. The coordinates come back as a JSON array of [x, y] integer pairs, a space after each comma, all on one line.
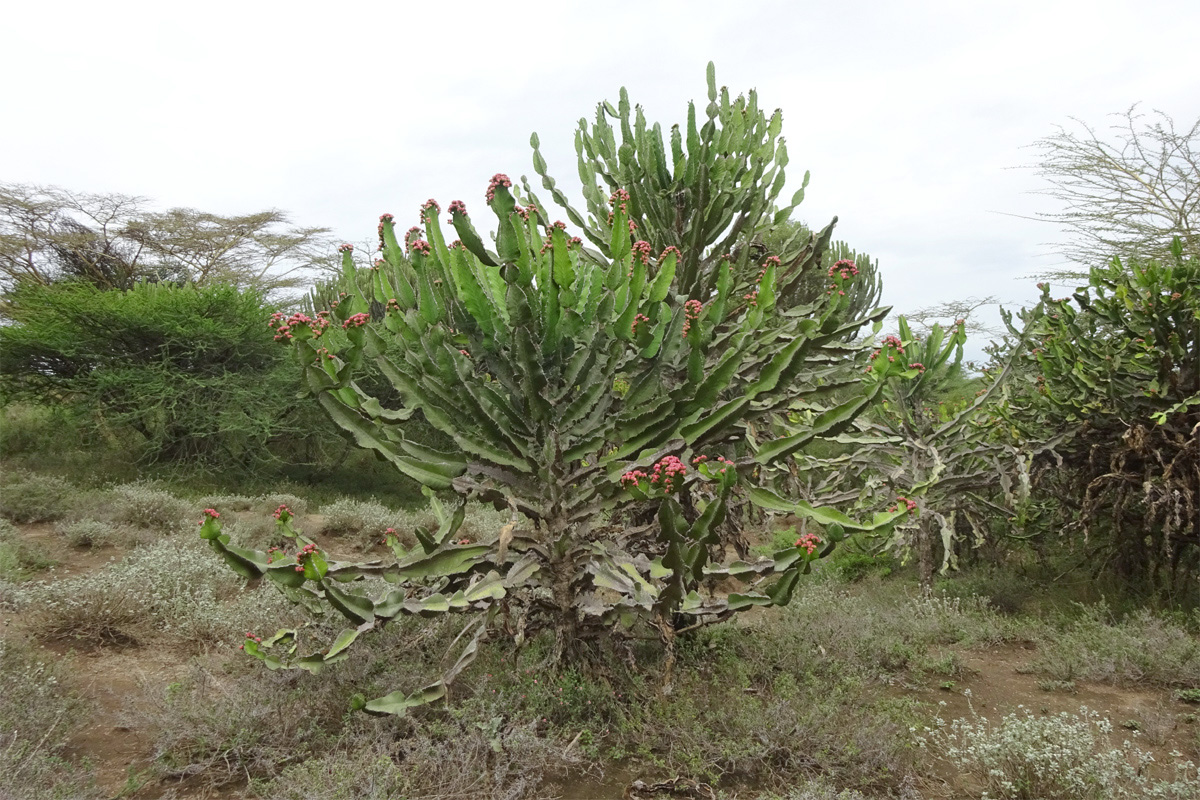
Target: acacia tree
[[1130, 194], [610, 400], [113, 241]]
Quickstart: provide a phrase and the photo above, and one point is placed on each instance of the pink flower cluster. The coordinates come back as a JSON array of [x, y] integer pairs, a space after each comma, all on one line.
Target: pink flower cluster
[[412, 233], [304, 553], [210, 513], [324, 352], [638, 320], [808, 542], [251, 637], [464, 353], [751, 297], [458, 207], [393, 305], [425, 208], [722, 460], [844, 269], [917, 365], [691, 313], [420, 246], [345, 248], [357, 321], [271, 551], [280, 511], [283, 325], [909, 505], [771, 261], [382, 219], [668, 474], [498, 180], [641, 251], [632, 478]]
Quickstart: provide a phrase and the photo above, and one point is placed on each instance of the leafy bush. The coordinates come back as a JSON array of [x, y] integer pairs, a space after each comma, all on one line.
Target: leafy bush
[[1068, 756], [35, 498], [192, 370], [364, 522], [86, 533], [144, 505]]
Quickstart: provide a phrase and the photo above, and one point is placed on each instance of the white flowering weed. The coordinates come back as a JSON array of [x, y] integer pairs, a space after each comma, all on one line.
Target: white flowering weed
[[1064, 756]]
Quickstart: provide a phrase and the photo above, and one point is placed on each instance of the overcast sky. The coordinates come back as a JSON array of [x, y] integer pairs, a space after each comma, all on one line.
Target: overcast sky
[[911, 116]]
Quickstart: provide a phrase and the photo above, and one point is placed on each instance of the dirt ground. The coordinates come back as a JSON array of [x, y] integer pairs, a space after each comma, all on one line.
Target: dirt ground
[[116, 679]]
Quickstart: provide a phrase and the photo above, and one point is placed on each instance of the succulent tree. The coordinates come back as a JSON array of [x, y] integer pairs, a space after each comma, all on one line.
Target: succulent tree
[[1115, 369], [613, 402], [943, 455]]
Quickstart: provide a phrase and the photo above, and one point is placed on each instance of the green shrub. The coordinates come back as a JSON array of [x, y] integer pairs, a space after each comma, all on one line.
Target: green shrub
[[144, 505], [86, 533], [192, 371], [270, 502], [35, 498], [364, 522]]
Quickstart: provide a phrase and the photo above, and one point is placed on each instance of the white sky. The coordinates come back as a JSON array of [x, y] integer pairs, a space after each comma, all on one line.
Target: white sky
[[911, 116]]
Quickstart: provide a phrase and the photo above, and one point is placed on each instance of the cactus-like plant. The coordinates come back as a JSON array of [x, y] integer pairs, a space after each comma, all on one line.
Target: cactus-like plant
[[940, 454], [608, 401], [1114, 370]]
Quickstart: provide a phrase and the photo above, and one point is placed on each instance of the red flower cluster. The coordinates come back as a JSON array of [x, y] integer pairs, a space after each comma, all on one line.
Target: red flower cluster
[[668, 474], [771, 260], [691, 313], [271, 551], [632, 477], [638, 320], [382, 219], [722, 460], [498, 180], [909, 505], [304, 553], [751, 297], [283, 325], [282, 508], [458, 207], [641, 251], [809, 542], [251, 637], [209, 512], [357, 321], [917, 365]]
